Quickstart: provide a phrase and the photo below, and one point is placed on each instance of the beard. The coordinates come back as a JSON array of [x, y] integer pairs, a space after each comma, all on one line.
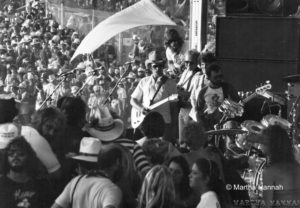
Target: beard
[[16, 168]]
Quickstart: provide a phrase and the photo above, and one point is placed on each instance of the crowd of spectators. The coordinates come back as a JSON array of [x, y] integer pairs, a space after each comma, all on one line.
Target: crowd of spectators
[[65, 137]]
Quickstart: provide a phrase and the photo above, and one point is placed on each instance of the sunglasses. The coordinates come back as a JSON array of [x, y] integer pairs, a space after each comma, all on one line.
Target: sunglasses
[[157, 65], [20, 153]]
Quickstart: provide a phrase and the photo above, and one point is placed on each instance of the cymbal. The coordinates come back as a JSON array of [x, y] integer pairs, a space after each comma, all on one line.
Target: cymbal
[[271, 119], [292, 78], [225, 132]]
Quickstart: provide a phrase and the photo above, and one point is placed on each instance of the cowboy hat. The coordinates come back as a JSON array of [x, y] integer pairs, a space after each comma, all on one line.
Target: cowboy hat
[[88, 150], [105, 127], [154, 57]]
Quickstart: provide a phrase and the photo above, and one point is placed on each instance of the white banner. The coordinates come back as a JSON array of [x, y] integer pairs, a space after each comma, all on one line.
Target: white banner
[[140, 14]]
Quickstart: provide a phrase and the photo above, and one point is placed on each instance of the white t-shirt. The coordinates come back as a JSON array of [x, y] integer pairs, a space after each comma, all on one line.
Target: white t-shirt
[[41, 147], [177, 59], [91, 192], [146, 89], [213, 99], [209, 200]]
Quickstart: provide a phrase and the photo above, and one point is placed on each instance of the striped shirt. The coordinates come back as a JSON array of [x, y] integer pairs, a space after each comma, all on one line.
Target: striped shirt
[[140, 160]]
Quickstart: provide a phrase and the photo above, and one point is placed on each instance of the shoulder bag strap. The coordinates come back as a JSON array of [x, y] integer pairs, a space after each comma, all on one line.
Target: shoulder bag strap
[[72, 197]]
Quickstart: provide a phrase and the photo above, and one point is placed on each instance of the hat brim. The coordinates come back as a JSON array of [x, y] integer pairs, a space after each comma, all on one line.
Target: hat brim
[[93, 159], [153, 62], [110, 135]]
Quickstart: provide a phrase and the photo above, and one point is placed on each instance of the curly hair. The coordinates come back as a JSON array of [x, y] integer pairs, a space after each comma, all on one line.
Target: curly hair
[[195, 135], [158, 189], [280, 145], [32, 163]]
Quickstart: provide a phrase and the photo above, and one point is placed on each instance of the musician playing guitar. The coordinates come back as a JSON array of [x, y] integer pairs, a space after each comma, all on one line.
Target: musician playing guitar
[[156, 86], [212, 96], [188, 81]]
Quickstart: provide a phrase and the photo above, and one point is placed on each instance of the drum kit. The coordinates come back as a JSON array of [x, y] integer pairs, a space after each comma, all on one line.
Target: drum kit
[[252, 142], [252, 132]]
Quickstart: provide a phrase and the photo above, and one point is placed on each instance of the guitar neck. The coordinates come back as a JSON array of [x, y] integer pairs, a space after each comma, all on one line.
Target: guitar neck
[[155, 105], [247, 99]]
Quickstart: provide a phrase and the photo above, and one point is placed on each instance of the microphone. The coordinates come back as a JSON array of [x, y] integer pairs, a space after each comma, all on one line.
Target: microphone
[[67, 73]]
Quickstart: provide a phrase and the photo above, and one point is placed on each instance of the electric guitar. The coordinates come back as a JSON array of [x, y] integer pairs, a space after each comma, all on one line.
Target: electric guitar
[[137, 116]]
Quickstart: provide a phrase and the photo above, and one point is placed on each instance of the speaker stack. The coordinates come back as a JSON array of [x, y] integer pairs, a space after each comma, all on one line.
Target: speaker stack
[[262, 7]]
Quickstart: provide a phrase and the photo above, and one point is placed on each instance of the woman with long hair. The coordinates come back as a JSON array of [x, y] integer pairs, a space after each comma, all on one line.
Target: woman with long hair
[[281, 177], [157, 189], [184, 196], [206, 182]]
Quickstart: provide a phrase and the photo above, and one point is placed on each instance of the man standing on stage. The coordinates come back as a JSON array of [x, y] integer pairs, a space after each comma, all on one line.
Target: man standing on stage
[[212, 96], [188, 81], [154, 88]]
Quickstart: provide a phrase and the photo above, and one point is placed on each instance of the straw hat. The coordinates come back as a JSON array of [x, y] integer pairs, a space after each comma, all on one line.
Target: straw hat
[[154, 57], [89, 149], [105, 128]]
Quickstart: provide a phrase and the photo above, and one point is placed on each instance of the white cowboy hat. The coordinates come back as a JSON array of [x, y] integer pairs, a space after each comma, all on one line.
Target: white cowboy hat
[[107, 129], [89, 149]]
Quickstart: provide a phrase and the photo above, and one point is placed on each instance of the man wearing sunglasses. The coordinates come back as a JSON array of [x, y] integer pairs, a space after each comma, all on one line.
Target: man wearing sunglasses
[[212, 96], [20, 185], [188, 81], [154, 88]]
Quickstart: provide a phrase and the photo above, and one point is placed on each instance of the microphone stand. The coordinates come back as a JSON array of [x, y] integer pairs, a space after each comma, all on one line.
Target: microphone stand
[[85, 83], [55, 89], [115, 87]]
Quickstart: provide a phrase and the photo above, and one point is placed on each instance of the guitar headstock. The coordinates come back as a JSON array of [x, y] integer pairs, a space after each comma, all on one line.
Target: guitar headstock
[[262, 89]]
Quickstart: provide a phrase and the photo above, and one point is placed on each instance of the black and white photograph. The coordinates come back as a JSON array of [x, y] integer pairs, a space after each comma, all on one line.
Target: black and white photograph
[[149, 103]]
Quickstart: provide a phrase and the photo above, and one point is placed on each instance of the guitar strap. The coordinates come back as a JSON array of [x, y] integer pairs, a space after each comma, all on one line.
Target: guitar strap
[[188, 80], [163, 81]]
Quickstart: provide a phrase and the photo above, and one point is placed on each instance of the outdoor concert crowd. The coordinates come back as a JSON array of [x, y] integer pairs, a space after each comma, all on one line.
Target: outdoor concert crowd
[[68, 137]]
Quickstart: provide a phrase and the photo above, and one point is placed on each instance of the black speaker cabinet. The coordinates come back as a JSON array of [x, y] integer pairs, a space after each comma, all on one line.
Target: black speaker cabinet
[[266, 38], [261, 7], [252, 50]]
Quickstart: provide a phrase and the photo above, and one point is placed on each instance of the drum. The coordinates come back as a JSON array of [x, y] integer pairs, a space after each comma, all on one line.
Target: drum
[[254, 177], [276, 120], [252, 126], [257, 183]]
